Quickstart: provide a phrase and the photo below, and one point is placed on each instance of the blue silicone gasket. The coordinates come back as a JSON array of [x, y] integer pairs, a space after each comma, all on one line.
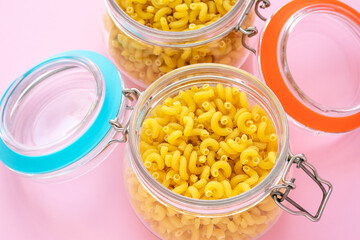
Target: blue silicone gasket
[[86, 142]]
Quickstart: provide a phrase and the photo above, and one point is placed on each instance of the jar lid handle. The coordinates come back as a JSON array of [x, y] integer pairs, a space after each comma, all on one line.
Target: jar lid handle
[[280, 192]]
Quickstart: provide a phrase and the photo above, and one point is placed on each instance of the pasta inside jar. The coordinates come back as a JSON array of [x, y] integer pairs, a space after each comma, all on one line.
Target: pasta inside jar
[[169, 223], [131, 28], [208, 141]]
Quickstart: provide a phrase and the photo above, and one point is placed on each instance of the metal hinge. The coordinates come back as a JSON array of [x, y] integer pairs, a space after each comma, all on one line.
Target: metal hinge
[[131, 95], [251, 31]]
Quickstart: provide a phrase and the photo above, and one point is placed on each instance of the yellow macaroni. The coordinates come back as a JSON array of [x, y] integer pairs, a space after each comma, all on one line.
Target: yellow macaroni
[[171, 224], [206, 143], [146, 62], [209, 143]]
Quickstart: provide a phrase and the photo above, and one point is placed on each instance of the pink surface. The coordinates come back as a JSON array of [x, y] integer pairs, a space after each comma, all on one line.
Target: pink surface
[[95, 206]]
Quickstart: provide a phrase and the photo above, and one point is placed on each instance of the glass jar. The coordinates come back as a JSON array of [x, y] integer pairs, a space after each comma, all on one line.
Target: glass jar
[[64, 116], [246, 216], [143, 54]]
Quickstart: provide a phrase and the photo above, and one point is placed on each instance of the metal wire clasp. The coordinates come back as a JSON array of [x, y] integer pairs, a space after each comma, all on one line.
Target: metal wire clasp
[[251, 31], [280, 192], [131, 95]]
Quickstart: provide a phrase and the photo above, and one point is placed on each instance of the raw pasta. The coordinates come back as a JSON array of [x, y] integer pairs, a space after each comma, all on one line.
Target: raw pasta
[[209, 142], [145, 62], [186, 16], [170, 224]]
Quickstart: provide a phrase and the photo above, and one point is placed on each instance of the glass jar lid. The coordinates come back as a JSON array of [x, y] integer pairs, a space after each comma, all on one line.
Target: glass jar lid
[[58, 111], [308, 55]]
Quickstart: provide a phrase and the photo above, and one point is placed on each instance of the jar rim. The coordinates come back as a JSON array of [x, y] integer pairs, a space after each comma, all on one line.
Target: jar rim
[[204, 35], [212, 207]]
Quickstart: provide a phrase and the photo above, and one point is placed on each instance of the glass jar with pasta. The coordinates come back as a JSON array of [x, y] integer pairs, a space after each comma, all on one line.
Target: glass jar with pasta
[[207, 145], [148, 38], [192, 174]]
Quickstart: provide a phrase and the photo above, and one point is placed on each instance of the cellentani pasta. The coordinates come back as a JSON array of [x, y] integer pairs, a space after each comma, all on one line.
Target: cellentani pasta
[[208, 143], [170, 224], [145, 62], [176, 15]]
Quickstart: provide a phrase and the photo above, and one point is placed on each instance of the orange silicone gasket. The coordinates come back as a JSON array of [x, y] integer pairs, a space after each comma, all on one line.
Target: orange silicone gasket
[[272, 75]]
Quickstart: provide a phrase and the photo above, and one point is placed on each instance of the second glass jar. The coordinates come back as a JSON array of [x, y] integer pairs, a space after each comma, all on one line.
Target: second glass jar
[[144, 54]]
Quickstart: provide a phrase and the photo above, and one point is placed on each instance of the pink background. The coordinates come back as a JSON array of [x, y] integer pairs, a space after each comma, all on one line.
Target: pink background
[[95, 206]]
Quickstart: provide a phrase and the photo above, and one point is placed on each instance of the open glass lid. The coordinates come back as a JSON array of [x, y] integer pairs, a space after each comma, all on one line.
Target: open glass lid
[[58, 112], [309, 55]]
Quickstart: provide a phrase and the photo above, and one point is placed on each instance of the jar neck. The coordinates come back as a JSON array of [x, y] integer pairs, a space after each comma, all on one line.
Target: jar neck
[[198, 75], [182, 39]]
